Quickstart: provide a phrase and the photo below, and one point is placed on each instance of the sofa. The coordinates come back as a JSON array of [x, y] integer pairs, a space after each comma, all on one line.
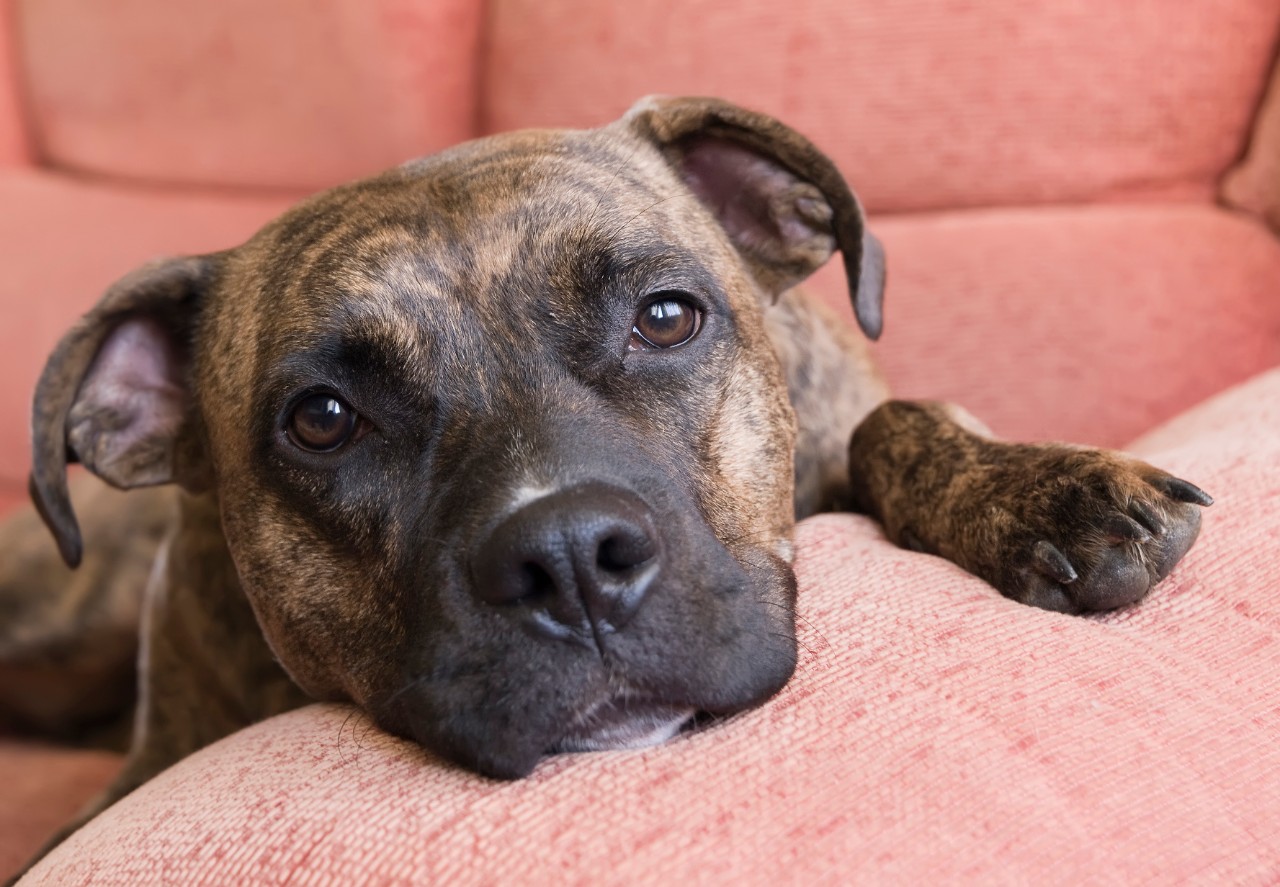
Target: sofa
[[1080, 204]]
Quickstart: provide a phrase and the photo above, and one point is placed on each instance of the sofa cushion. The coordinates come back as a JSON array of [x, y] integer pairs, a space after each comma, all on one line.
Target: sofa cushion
[[44, 787], [1088, 324], [65, 241], [923, 103], [289, 94], [934, 732]]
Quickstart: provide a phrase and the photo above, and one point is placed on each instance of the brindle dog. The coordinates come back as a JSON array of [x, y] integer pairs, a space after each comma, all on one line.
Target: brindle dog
[[506, 446]]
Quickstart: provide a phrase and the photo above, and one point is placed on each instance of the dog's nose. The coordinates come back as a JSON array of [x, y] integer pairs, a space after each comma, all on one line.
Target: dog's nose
[[576, 564]]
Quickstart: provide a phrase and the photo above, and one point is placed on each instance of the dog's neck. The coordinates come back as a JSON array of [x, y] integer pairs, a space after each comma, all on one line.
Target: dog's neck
[[220, 643]]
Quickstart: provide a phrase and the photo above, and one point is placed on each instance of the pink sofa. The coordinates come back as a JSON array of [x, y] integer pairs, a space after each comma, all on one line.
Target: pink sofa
[[1074, 199]]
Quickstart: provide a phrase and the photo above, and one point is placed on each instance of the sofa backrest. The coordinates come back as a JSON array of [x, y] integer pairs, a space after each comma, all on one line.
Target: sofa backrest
[[13, 135], [923, 103], [293, 94]]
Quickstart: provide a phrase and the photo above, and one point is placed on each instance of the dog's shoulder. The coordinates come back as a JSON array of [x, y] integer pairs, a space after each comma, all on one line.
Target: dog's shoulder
[[833, 383]]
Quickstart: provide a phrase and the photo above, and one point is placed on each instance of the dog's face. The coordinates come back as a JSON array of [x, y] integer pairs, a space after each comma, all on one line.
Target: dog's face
[[502, 451], [508, 458]]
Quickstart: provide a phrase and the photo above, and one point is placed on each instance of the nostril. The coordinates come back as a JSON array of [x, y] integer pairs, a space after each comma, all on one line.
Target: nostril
[[537, 585], [621, 552]]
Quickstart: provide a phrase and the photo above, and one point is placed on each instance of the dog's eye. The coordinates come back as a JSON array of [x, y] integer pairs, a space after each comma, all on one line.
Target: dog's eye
[[321, 423], [665, 322]]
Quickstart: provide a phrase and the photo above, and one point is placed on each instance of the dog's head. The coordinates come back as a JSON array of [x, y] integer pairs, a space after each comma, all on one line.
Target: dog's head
[[501, 450]]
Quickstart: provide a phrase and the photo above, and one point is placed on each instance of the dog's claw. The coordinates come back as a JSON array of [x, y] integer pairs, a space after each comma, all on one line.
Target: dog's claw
[[1183, 491], [1101, 532], [1122, 528], [1146, 515], [912, 542], [1053, 563]]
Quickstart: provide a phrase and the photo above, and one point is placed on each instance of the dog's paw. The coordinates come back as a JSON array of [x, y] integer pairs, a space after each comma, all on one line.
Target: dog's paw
[[1086, 530]]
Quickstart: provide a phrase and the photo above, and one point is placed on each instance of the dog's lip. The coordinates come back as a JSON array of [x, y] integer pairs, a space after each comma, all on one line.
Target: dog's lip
[[625, 722]]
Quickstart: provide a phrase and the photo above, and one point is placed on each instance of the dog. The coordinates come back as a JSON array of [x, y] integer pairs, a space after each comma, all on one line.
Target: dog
[[506, 446]]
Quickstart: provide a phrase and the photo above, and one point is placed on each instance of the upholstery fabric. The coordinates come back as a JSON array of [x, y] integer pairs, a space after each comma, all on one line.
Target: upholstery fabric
[[291, 94], [64, 241], [923, 103], [44, 787], [934, 732], [1089, 324], [1254, 184], [14, 150]]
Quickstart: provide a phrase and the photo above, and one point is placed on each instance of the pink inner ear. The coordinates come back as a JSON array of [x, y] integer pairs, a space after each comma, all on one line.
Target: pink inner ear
[[130, 406], [138, 353], [760, 204]]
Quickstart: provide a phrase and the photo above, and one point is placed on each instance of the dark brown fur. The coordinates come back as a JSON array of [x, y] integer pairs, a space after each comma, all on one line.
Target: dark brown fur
[[475, 307]]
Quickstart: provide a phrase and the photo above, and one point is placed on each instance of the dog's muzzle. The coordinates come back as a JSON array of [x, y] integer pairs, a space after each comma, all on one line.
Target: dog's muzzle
[[576, 565]]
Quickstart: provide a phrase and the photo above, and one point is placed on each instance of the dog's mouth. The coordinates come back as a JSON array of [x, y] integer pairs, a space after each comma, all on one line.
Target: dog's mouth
[[623, 722]]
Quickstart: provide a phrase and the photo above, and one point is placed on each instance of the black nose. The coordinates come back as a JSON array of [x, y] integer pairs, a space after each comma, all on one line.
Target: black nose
[[576, 564]]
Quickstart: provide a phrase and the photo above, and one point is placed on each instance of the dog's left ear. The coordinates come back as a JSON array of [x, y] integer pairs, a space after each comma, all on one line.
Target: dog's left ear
[[782, 201]]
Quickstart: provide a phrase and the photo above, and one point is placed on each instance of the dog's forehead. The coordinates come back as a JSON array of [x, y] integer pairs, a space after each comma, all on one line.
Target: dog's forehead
[[454, 224], [489, 230], [468, 255]]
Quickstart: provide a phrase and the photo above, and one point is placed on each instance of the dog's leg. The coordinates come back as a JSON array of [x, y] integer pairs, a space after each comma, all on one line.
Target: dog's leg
[[1059, 527], [69, 638]]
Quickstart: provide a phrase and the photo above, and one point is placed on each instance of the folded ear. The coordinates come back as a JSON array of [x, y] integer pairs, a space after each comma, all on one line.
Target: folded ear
[[782, 201], [114, 393]]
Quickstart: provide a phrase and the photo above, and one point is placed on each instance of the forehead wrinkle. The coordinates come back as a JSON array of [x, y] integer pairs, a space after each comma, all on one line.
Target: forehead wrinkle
[[538, 252], [503, 163], [574, 176], [458, 270], [402, 341], [396, 274], [371, 299]]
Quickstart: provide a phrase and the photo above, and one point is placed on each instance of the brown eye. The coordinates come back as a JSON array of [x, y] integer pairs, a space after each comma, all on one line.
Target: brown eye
[[665, 323], [321, 423]]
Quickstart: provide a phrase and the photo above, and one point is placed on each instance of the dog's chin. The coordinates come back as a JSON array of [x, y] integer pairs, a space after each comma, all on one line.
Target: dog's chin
[[624, 723]]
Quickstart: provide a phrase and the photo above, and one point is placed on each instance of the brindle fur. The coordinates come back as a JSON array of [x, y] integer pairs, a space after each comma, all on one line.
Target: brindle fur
[[476, 305], [1059, 527]]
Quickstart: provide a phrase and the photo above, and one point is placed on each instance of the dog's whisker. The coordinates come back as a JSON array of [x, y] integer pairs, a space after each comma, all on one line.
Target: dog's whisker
[[610, 237], [341, 731]]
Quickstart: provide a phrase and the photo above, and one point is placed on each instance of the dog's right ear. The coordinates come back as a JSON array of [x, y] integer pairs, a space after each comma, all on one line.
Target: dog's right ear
[[113, 394], [783, 203]]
